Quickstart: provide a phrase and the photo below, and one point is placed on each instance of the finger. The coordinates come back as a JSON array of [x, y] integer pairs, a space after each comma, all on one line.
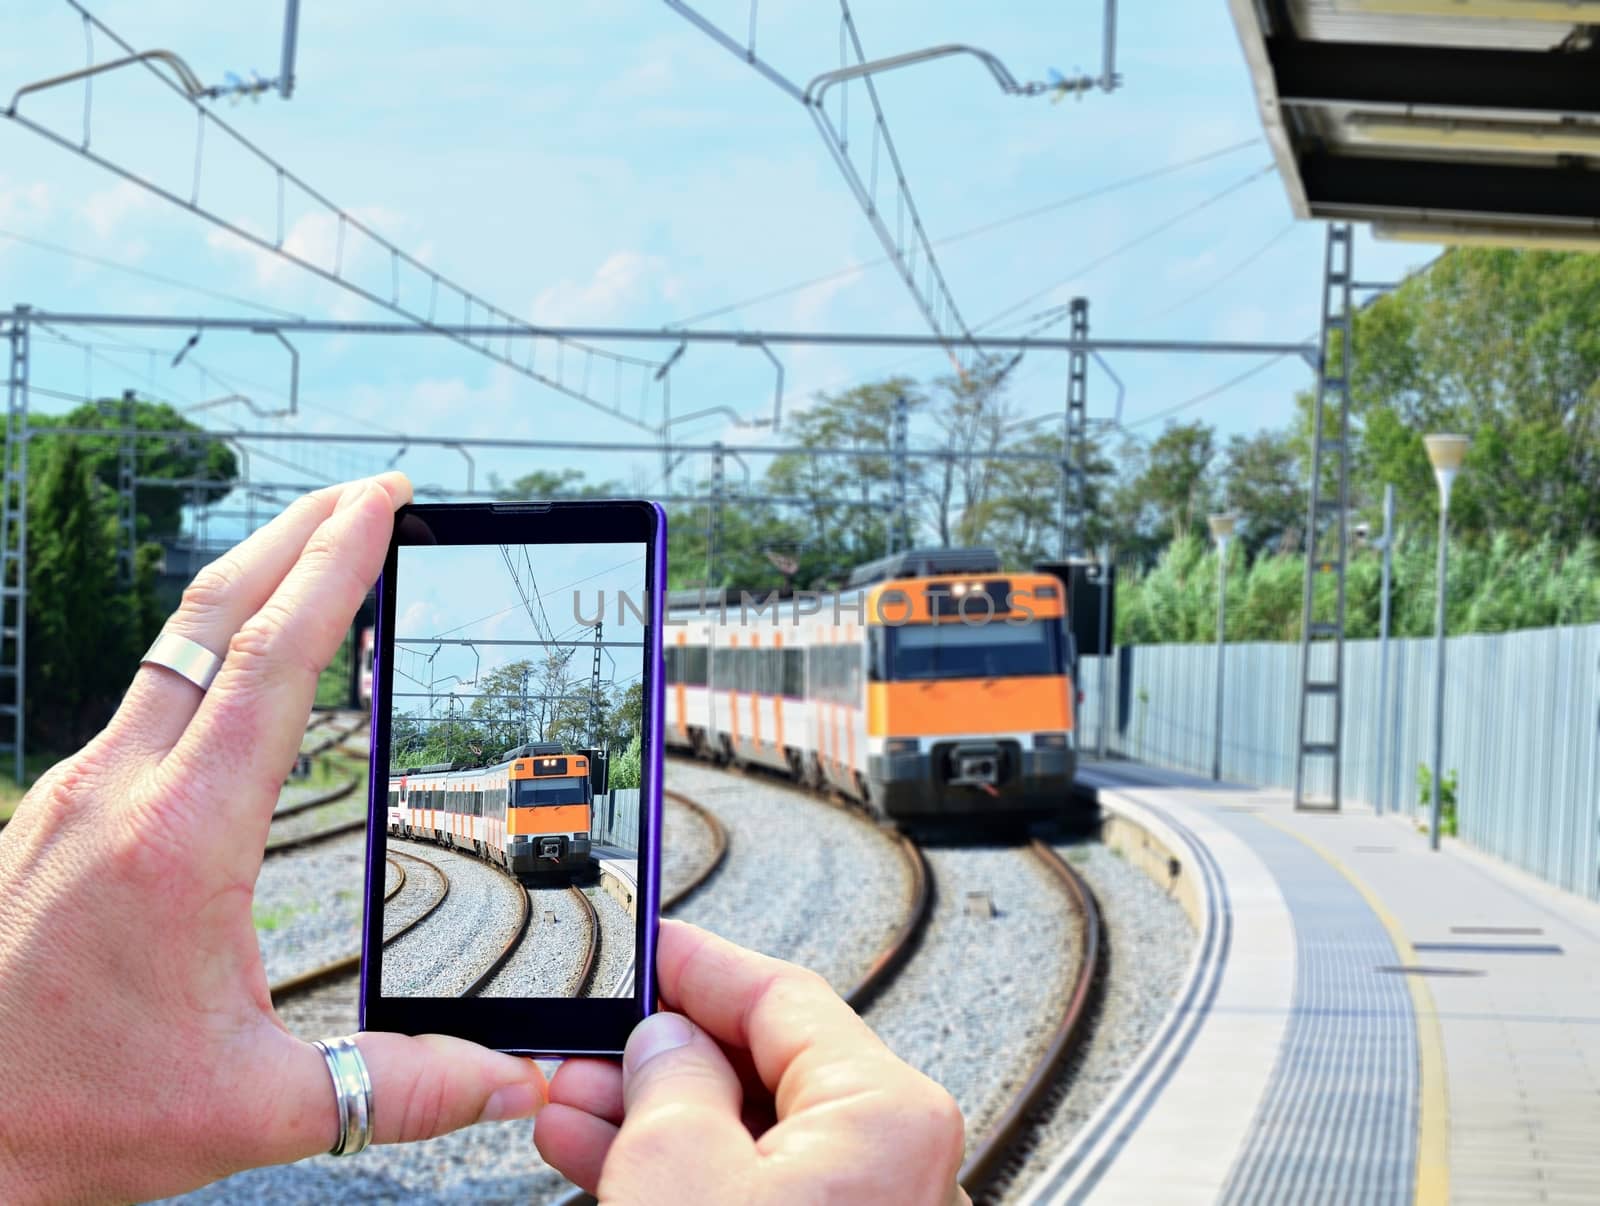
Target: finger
[[683, 1125], [575, 1143], [772, 1009], [591, 1085], [835, 1085], [249, 726], [421, 1087], [160, 703]]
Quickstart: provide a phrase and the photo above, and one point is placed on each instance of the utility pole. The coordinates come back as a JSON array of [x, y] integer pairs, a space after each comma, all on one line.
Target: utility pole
[[900, 521], [127, 490], [1075, 455], [714, 516]]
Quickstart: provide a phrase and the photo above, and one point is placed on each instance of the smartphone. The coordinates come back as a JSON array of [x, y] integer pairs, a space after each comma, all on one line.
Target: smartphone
[[514, 814]]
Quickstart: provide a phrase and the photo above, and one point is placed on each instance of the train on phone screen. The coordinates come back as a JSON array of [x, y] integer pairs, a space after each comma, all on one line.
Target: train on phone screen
[[933, 684], [530, 813]]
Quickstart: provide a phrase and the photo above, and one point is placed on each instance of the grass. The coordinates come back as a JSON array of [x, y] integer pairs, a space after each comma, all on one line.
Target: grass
[[268, 920], [10, 793]]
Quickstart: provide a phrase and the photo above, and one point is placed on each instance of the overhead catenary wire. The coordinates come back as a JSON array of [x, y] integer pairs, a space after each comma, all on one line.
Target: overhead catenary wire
[[1217, 282], [1143, 237], [500, 321], [159, 278], [972, 232]]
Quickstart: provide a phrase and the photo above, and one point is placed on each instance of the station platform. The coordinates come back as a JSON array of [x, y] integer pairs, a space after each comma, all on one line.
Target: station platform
[[1365, 1020]]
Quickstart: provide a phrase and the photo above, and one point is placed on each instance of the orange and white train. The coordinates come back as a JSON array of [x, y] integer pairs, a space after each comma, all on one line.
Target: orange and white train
[[932, 684], [530, 812]]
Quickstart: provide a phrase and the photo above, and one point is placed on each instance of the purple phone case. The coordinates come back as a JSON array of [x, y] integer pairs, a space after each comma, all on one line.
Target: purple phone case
[[652, 793]]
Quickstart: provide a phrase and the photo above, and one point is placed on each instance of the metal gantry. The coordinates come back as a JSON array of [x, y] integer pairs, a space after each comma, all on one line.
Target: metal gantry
[[900, 515], [1075, 453], [127, 493], [1321, 722], [14, 542]]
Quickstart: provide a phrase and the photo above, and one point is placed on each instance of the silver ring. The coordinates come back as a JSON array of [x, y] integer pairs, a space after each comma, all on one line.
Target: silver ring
[[352, 1091], [183, 657]]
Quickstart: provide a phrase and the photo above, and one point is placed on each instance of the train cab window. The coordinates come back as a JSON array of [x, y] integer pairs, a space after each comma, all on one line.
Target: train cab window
[[994, 650]]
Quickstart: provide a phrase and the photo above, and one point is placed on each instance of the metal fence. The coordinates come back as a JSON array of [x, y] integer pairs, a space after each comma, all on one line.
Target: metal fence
[[1521, 730], [616, 818]]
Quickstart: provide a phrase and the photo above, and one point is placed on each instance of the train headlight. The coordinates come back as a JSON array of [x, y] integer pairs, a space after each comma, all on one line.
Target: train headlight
[[1049, 741], [902, 745]]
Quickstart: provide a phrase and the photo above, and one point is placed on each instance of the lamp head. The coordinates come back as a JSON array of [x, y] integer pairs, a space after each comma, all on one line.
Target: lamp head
[[1446, 452], [1222, 526]]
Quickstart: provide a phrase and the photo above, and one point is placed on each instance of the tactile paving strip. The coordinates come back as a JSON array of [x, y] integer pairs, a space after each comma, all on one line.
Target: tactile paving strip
[[1339, 1118]]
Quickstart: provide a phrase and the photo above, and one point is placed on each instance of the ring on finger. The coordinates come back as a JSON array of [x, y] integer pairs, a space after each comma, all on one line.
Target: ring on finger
[[185, 658], [352, 1091]]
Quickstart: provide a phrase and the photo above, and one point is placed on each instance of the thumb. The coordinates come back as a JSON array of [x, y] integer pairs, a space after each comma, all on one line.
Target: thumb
[[421, 1087], [681, 1126]]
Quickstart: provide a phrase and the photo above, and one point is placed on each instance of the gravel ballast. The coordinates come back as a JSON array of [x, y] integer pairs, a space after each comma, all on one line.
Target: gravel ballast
[[1150, 942], [802, 880], [985, 991], [618, 935], [424, 885], [455, 944], [307, 906], [547, 960], [808, 882], [686, 845]]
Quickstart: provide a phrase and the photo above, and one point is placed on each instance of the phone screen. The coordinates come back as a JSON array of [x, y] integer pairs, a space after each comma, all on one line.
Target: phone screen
[[516, 778]]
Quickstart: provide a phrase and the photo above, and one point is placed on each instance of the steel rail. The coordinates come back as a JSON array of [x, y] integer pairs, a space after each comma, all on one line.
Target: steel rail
[[591, 957], [986, 1157], [338, 792], [316, 977], [719, 851], [508, 949]]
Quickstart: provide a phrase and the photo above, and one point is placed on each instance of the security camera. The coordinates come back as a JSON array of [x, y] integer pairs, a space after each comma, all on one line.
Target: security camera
[[1361, 531]]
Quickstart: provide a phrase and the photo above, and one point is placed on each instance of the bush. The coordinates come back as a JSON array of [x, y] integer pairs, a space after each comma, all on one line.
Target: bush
[[625, 769], [1447, 798]]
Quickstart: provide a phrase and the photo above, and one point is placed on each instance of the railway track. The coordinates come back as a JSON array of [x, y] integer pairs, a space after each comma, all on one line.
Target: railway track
[[996, 1149], [350, 965], [993, 1152], [719, 851]]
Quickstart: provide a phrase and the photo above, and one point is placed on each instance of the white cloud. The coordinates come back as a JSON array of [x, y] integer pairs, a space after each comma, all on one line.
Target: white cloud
[[625, 279], [23, 201], [107, 210]]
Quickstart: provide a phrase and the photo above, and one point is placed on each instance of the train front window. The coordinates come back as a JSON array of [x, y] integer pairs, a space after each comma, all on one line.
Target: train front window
[[534, 793], [953, 649]]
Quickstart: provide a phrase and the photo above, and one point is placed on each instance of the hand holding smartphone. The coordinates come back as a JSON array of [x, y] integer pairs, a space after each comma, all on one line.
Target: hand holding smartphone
[[514, 818]]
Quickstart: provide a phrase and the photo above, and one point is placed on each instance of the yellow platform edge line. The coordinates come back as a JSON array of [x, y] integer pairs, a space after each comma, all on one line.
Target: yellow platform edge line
[[1433, 1105]]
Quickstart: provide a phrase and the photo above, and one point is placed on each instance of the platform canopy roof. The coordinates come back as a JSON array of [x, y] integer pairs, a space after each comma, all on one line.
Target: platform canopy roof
[[1465, 121]]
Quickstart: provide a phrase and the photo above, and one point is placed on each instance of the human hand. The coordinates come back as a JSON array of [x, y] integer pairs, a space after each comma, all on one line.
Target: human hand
[[774, 1092], [139, 1052]]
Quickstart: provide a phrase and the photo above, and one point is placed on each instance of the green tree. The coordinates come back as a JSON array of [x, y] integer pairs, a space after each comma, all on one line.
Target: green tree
[[1175, 480], [1502, 346], [84, 627], [844, 520], [562, 483], [160, 509], [1263, 483]]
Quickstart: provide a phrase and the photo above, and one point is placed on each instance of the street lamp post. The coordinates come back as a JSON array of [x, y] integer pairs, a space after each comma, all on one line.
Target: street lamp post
[[1446, 452], [1222, 529]]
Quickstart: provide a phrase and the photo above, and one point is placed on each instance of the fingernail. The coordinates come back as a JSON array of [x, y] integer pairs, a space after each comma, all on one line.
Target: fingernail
[[354, 492], [657, 1033], [512, 1101]]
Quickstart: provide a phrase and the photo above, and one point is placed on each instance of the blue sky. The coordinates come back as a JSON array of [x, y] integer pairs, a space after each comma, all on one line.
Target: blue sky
[[607, 164], [467, 592]]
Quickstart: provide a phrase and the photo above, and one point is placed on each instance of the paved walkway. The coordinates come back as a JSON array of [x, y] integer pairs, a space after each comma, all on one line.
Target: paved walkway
[[1431, 1029]]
